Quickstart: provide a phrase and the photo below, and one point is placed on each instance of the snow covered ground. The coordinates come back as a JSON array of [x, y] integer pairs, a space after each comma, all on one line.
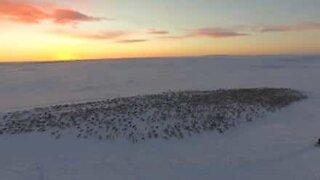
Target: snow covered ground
[[280, 146]]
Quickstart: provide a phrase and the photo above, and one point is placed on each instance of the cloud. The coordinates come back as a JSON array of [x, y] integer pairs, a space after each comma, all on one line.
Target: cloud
[[114, 35], [217, 33], [66, 16], [126, 41], [35, 13], [243, 30], [103, 35], [21, 12], [289, 28], [155, 31], [206, 32]]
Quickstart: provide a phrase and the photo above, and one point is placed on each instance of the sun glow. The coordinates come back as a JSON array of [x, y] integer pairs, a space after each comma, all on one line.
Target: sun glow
[[64, 56]]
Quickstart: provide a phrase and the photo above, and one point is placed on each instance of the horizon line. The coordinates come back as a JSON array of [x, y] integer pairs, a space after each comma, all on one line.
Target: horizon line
[[151, 57]]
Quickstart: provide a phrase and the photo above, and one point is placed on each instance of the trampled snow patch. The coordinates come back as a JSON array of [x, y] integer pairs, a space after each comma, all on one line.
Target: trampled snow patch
[[166, 115]]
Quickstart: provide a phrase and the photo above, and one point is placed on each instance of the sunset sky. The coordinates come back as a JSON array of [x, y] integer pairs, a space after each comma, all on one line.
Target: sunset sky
[[90, 29]]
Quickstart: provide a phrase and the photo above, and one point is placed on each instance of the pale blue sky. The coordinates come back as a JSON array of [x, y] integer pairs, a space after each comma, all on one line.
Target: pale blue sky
[[187, 13]]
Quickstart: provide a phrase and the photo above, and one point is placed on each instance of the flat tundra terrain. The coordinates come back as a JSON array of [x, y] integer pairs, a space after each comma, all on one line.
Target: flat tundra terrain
[[214, 117]]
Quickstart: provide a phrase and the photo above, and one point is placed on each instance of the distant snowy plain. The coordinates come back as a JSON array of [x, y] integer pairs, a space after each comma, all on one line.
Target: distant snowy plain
[[279, 146]]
